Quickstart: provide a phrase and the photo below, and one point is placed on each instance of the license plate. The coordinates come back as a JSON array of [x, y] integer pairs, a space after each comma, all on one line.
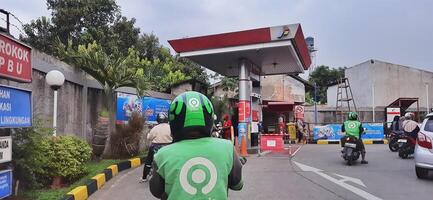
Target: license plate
[[402, 140], [351, 145]]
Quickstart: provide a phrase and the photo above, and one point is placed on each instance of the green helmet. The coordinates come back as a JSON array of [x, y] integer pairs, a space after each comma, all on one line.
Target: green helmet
[[190, 116], [353, 116]]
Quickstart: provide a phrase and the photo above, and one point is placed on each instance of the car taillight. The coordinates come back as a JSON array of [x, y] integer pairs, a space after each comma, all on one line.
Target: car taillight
[[424, 141]]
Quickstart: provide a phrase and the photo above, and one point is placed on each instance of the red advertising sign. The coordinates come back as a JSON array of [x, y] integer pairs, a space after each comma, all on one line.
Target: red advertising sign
[[244, 111], [15, 60], [255, 116], [241, 110]]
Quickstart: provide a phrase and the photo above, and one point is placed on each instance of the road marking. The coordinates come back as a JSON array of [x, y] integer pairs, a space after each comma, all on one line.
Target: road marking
[[351, 179], [296, 151], [342, 182]]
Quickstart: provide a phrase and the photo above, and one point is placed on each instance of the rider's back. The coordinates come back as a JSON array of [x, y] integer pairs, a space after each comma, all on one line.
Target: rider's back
[[160, 134], [196, 168]]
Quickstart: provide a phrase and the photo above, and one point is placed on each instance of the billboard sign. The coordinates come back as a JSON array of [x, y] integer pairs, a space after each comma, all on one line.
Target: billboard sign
[[148, 106], [333, 132], [15, 107], [15, 60]]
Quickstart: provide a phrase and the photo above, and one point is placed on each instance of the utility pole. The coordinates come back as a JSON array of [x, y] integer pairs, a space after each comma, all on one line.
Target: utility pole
[[315, 103]]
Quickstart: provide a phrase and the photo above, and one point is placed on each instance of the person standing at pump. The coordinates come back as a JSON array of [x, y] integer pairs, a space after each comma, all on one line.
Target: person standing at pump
[[227, 124], [196, 165]]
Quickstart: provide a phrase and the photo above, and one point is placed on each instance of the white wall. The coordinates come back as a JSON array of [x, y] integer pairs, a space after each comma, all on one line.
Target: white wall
[[390, 82]]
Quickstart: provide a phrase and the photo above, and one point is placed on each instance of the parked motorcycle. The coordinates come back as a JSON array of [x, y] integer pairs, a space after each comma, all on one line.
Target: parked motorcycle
[[406, 146], [393, 140], [351, 151]]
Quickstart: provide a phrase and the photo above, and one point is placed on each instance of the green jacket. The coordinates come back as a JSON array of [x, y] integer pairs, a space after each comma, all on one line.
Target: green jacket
[[201, 168], [352, 128]]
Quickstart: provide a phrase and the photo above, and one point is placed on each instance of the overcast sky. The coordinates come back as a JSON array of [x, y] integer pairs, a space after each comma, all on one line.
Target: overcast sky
[[346, 32]]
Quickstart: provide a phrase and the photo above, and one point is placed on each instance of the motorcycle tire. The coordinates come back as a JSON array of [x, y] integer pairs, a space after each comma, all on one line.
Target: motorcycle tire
[[393, 145], [403, 154]]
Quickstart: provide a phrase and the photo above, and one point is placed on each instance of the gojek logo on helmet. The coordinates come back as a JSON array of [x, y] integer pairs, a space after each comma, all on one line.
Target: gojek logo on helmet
[[203, 169], [194, 103]]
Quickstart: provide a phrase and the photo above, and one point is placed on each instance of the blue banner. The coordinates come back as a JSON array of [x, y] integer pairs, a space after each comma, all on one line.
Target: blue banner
[[333, 132], [149, 106], [15, 107], [5, 183]]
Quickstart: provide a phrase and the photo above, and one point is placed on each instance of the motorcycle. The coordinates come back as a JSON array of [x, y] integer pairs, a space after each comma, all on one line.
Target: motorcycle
[[351, 151], [406, 146], [393, 140]]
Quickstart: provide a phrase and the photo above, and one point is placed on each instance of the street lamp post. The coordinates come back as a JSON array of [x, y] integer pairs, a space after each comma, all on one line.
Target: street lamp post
[[55, 79]]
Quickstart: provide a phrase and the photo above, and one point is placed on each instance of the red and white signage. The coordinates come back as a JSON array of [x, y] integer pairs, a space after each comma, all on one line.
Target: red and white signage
[[391, 113], [244, 111], [299, 112], [15, 60]]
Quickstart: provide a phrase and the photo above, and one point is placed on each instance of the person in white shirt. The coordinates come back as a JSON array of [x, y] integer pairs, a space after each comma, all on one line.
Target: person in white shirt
[[159, 136]]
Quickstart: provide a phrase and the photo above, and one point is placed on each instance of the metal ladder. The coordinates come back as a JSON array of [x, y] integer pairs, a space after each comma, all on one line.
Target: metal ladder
[[344, 86]]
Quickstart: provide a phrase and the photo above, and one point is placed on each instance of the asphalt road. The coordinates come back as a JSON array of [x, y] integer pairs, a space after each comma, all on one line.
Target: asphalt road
[[315, 172]]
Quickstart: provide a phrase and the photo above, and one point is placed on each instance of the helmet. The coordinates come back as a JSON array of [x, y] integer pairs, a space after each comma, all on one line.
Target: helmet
[[353, 116], [409, 115], [161, 118], [190, 116]]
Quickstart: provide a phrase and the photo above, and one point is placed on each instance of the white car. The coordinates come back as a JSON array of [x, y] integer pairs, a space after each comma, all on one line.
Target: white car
[[424, 149]]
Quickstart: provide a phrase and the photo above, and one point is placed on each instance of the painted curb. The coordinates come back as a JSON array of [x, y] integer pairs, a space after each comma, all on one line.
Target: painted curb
[[385, 141], [98, 181]]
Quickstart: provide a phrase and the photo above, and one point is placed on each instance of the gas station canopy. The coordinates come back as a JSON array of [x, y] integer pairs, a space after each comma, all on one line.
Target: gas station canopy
[[271, 50]]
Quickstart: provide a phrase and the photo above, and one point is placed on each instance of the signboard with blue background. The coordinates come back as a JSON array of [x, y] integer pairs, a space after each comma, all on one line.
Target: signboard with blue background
[[15, 107], [5, 183], [149, 106], [333, 132]]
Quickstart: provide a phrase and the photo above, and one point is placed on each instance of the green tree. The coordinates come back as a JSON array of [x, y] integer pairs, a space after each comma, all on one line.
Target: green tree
[[111, 71], [324, 76], [70, 19]]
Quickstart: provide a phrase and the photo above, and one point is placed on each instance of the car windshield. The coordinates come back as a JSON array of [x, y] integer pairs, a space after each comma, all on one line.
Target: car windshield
[[429, 124]]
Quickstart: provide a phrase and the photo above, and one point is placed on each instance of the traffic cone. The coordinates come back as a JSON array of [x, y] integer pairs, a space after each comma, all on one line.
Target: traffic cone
[[244, 152]]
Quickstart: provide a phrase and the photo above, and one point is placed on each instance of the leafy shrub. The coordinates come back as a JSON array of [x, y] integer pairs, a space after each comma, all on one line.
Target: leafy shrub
[[38, 156], [68, 156], [29, 148]]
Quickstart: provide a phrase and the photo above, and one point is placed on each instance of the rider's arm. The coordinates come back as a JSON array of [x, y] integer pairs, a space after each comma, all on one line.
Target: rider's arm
[[235, 176], [361, 130], [343, 129], [157, 183]]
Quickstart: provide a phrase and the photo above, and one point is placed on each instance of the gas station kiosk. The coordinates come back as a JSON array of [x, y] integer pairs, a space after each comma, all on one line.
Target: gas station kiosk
[[249, 54]]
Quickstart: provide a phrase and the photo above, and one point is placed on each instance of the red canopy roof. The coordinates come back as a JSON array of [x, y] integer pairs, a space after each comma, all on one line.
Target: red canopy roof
[[272, 50]]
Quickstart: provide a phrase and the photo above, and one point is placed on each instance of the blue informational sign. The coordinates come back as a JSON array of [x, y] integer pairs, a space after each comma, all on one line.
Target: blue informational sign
[[5, 183], [242, 131], [149, 106], [15, 107], [333, 132]]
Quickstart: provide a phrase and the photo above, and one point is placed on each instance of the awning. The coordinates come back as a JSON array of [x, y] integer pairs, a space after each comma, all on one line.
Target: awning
[[403, 103], [271, 50]]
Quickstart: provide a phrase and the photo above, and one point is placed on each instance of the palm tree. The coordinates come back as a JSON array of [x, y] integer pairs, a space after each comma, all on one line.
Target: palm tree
[[111, 71]]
